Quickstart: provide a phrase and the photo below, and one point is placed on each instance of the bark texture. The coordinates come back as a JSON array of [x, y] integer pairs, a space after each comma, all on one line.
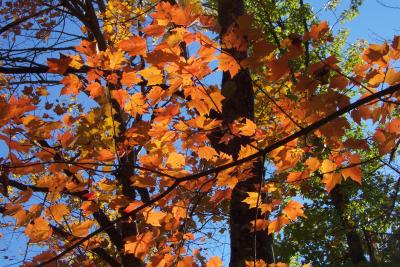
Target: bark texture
[[355, 248], [239, 103]]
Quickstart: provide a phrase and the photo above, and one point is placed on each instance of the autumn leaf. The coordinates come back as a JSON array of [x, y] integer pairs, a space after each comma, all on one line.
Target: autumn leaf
[[59, 66], [353, 172], [121, 96], [141, 245], [38, 230], [153, 75], [313, 164], [277, 224], [214, 262], [130, 78], [375, 54], [229, 64], [176, 160], [82, 229], [72, 84], [95, 89], [154, 217], [135, 46], [136, 104], [251, 200], [57, 212], [293, 210], [317, 31]]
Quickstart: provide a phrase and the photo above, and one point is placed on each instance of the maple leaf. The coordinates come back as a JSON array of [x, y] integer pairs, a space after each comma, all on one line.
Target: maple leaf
[[313, 164], [82, 229], [375, 54], [206, 152], [57, 212], [136, 105], [153, 75], [317, 31], [176, 160], [72, 84], [95, 89], [251, 200], [155, 217], [214, 262], [331, 180], [392, 77], [130, 78], [293, 210], [229, 64], [354, 172], [38, 230], [59, 66], [277, 224], [135, 46], [121, 96], [140, 246]]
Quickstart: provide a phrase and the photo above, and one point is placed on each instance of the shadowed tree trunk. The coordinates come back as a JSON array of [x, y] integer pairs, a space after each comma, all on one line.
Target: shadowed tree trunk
[[239, 103], [340, 201]]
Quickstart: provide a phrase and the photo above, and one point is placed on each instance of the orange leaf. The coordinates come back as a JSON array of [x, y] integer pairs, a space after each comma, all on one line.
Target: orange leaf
[[176, 160], [136, 105], [331, 180], [276, 225], [317, 31], [38, 231], [135, 45], [105, 155], [72, 84], [293, 210], [120, 95], [130, 78], [214, 262], [59, 66], [95, 90], [152, 75], [392, 77], [82, 229], [57, 212], [228, 63], [313, 164], [155, 217], [252, 199], [375, 54]]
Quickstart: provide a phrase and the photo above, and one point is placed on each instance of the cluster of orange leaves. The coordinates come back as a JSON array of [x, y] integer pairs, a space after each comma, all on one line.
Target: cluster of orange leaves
[[166, 97]]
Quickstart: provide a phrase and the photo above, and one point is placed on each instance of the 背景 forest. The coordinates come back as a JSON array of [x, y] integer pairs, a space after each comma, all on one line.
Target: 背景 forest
[[155, 132]]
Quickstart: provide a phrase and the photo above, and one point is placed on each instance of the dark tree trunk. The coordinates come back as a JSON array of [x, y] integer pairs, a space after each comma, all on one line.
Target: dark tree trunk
[[239, 102], [340, 201]]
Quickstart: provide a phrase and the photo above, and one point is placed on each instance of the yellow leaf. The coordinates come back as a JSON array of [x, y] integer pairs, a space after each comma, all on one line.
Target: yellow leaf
[[252, 199], [176, 160], [327, 166], [214, 262], [38, 231], [82, 229], [152, 75]]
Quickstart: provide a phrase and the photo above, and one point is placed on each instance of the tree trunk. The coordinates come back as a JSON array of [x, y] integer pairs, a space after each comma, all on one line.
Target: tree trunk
[[339, 200], [239, 103]]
